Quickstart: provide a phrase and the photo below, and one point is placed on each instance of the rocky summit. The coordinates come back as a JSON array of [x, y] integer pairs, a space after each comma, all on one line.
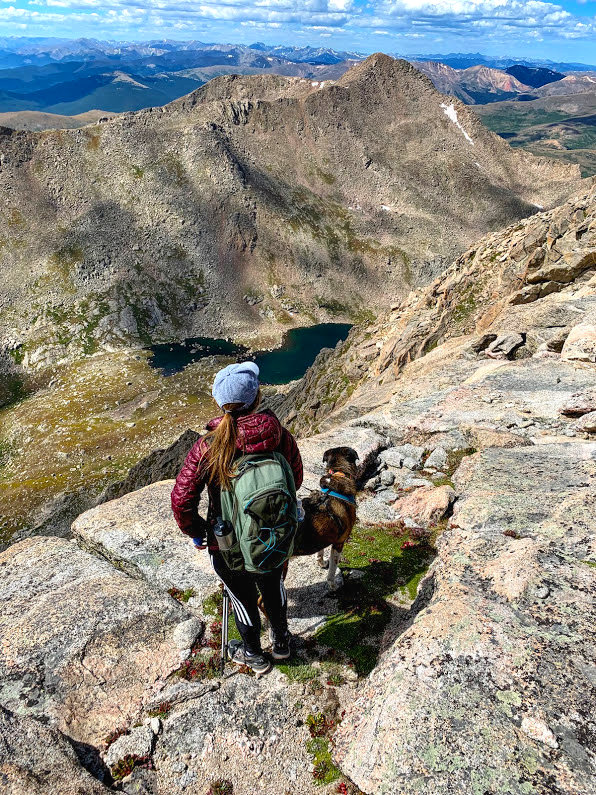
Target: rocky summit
[[454, 650], [185, 220]]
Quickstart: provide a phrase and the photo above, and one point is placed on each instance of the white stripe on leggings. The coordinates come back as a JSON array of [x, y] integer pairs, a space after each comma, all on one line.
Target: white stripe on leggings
[[238, 606], [282, 591]]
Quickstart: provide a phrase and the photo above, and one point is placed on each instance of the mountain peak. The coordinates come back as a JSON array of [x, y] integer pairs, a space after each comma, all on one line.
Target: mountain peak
[[379, 62], [384, 67]]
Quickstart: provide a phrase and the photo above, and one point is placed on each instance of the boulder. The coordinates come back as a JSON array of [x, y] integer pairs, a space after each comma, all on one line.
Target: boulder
[[504, 346], [437, 459], [567, 268], [376, 511], [249, 732], [37, 760], [137, 742], [526, 295], [406, 455], [426, 505], [188, 632], [586, 423], [405, 479], [482, 342], [83, 644], [580, 403], [580, 345], [387, 495], [142, 781], [138, 534], [387, 477], [555, 342], [412, 463], [486, 689], [392, 457], [535, 489]]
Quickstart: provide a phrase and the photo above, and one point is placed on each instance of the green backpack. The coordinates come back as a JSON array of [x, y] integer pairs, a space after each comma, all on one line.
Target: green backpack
[[261, 507]]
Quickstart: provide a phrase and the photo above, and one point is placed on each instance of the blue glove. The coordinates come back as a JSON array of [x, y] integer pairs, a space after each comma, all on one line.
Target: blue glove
[[199, 542]]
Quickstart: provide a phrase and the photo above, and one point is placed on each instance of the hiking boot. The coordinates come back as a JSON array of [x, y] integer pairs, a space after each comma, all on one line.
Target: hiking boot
[[256, 662], [280, 646]]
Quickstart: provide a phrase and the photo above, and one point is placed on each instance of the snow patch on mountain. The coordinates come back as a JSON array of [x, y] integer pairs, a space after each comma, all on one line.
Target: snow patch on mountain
[[451, 113]]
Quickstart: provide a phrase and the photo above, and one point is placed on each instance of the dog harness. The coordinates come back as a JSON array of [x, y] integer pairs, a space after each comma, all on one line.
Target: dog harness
[[337, 495]]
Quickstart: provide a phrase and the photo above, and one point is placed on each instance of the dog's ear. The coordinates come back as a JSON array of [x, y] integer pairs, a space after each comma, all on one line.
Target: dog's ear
[[350, 454], [328, 453]]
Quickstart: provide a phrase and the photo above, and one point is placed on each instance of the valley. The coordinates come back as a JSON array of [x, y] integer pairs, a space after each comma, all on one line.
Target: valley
[[191, 222], [84, 427], [559, 126]]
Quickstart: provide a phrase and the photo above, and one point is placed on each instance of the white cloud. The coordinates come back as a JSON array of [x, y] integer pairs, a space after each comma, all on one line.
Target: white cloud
[[499, 20], [508, 19]]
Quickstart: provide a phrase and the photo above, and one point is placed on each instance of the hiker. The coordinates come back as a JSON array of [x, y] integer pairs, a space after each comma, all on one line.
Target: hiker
[[242, 430]]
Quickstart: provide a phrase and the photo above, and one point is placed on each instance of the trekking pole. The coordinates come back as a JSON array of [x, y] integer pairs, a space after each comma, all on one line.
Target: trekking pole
[[225, 611]]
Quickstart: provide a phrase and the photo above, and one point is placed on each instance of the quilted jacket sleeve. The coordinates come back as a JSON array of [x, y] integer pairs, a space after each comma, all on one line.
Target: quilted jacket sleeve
[[186, 493], [289, 449]]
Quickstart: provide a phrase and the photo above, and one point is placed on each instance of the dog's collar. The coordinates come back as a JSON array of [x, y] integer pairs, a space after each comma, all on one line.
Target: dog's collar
[[336, 473], [344, 497]]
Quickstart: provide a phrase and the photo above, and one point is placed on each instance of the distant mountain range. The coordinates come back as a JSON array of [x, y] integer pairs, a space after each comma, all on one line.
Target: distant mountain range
[[20, 51], [463, 60], [70, 77], [481, 84], [73, 77]]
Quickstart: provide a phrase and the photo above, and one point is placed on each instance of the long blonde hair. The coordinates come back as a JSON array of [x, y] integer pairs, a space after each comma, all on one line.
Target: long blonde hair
[[223, 443]]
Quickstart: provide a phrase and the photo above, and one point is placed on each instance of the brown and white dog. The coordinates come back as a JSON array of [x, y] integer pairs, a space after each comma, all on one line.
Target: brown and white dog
[[330, 514]]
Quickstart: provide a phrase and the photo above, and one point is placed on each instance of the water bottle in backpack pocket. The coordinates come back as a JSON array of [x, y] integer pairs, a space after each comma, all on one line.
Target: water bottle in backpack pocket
[[261, 507]]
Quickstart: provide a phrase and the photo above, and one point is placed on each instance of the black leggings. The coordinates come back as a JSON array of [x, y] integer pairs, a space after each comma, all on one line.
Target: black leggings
[[242, 588]]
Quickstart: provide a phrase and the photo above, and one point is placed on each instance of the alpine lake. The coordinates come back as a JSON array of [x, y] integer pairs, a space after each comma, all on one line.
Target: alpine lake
[[279, 366], [76, 429]]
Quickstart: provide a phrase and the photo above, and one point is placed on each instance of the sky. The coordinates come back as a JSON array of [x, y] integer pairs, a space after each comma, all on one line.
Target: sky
[[559, 31]]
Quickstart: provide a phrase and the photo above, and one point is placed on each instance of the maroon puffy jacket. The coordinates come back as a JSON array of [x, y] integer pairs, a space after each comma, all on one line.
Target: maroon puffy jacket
[[257, 433]]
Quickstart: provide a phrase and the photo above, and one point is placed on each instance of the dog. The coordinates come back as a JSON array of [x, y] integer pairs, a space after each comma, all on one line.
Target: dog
[[330, 514]]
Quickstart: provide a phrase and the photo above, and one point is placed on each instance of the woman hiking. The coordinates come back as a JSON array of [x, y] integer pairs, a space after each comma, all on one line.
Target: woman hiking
[[242, 430]]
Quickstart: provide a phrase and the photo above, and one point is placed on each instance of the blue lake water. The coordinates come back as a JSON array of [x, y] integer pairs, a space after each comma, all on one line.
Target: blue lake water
[[286, 363]]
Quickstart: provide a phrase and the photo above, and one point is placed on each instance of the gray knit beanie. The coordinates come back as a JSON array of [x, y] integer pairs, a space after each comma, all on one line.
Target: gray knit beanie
[[236, 383]]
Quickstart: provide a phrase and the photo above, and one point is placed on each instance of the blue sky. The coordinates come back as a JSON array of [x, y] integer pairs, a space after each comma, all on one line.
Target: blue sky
[[564, 30]]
